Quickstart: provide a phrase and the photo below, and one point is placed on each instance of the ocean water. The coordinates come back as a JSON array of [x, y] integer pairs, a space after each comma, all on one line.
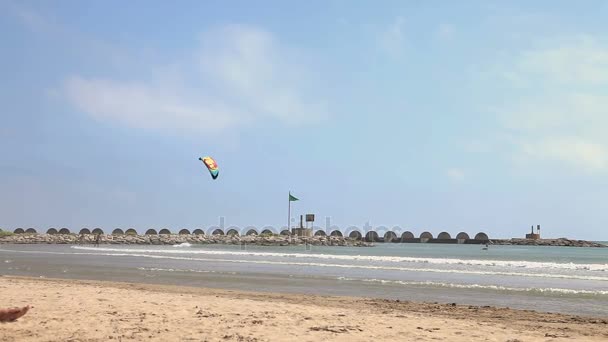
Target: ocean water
[[553, 279]]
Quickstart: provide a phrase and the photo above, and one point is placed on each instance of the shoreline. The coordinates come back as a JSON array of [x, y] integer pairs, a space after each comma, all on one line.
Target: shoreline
[[114, 310]]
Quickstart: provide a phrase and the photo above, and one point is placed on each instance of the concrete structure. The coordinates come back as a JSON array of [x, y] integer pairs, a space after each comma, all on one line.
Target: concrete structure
[[355, 234], [483, 237], [232, 232], [533, 236], [390, 237], [462, 237], [444, 236], [372, 236], [409, 237], [425, 237], [336, 233]]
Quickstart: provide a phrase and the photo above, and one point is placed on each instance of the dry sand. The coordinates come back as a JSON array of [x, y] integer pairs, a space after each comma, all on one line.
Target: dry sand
[[70, 310]]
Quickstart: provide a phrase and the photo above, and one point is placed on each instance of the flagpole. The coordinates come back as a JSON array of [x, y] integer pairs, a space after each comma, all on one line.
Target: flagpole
[[289, 214]]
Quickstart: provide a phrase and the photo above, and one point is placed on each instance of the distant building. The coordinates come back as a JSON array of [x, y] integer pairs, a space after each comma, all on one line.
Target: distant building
[[533, 236]]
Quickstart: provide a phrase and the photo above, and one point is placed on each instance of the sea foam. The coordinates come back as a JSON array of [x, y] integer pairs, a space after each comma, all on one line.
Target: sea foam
[[389, 259]]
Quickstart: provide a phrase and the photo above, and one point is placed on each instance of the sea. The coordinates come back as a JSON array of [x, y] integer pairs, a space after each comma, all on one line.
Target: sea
[[569, 280]]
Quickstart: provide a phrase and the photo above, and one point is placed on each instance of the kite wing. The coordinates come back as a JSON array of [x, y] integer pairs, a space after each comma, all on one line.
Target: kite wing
[[211, 166]]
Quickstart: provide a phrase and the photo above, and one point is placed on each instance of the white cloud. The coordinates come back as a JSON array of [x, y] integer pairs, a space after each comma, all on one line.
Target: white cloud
[[559, 107], [392, 40], [455, 174], [575, 151], [581, 60], [148, 106], [251, 63], [239, 75]]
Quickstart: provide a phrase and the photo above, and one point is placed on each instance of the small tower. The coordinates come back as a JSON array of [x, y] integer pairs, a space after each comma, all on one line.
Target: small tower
[[533, 236]]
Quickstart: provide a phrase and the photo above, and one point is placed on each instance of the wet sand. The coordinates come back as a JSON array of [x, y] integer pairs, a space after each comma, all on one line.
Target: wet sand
[[76, 310]]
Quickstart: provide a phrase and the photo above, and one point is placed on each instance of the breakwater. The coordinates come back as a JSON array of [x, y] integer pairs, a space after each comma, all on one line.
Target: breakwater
[[564, 242], [174, 239], [269, 240]]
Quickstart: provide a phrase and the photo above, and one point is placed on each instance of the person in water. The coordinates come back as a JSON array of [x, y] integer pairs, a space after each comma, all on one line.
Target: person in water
[[12, 314]]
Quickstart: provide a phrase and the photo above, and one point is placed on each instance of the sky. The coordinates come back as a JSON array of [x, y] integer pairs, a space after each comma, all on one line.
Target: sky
[[426, 115]]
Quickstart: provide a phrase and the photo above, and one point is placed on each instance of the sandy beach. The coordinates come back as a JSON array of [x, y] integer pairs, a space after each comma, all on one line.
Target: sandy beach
[[76, 310]]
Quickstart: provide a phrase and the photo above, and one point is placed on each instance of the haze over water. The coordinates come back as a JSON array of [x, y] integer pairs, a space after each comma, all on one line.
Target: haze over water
[[554, 279]]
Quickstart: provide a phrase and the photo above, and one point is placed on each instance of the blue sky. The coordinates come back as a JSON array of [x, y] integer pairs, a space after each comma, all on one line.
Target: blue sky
[[440, 116]]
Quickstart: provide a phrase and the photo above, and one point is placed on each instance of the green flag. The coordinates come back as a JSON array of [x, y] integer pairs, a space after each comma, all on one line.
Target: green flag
[[292, 198]]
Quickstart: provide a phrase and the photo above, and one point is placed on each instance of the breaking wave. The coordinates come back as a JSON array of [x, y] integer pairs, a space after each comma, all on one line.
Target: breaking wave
[[391, 259]]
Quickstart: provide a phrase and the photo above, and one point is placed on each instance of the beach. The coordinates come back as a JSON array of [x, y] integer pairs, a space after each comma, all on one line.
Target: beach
[[548, 279], [81, 310]]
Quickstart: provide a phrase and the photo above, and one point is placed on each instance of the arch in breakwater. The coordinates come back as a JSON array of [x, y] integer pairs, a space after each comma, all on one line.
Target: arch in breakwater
[[64, 231], [98, 231], [31, 231], [372, 236], [444, 236], [232, 232], [285, 232], [252, 232], [118, 231], [51, 231], [407, 235], [267, 232], [84, 231], [426, 235], [131, 231], [198, 231], [151, 232], [390, 236], [336, 233], [462, 236], [481, 236], [184, 232], [19, 231], [217, 232], [164, 231], [320, 233], [355, 234]]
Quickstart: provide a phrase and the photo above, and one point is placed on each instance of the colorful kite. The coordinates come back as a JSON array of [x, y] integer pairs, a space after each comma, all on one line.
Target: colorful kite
[[211, 166]]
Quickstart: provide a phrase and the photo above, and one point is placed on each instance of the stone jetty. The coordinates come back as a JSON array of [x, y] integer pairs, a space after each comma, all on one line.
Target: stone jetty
[[564, 242], [175, 239]]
